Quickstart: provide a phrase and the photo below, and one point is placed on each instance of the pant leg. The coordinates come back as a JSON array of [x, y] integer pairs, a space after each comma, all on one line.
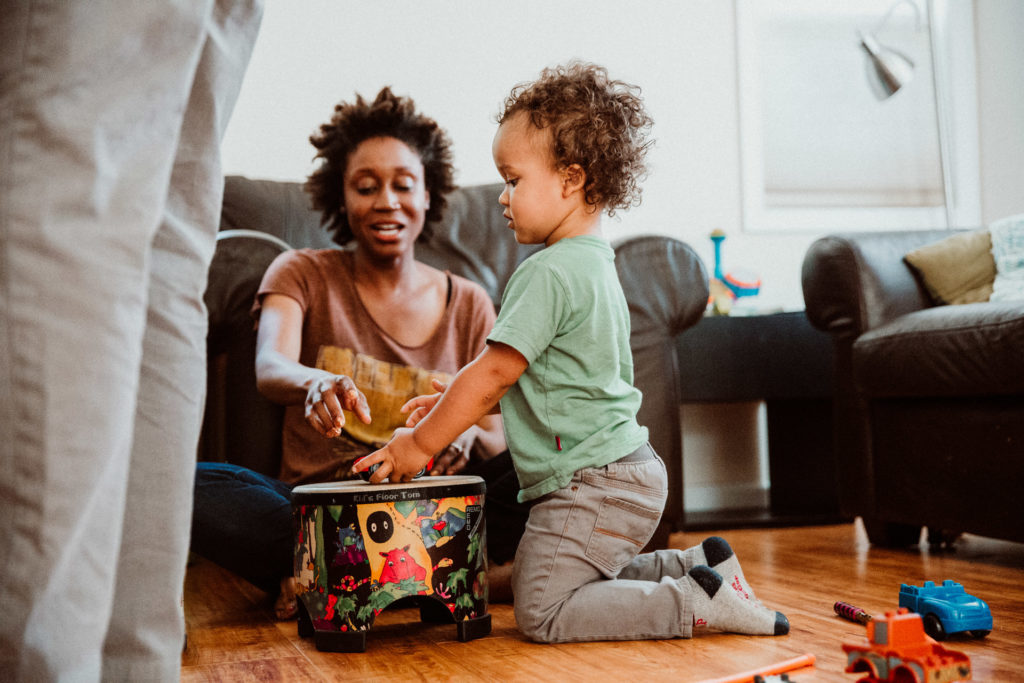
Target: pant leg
[[577, 540], [658, 564], [147, 625], [242, 520], [90, 112]]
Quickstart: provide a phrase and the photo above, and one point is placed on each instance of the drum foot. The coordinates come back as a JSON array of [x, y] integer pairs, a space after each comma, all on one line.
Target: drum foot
[[477, 627], [434, 611], [340, 641]]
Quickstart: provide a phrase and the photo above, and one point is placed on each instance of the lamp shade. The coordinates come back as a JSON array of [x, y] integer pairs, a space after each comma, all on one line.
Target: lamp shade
[[888, 69]]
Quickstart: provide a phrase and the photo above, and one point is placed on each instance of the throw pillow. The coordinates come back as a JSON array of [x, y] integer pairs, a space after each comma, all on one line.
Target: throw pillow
[[1008, 253], [958, 269]]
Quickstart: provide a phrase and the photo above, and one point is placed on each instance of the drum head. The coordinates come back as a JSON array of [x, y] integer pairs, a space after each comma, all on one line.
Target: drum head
[[359, 491]]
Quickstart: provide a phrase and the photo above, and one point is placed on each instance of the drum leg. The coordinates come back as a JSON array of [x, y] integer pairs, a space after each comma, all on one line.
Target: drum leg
[[305, 623], [477, 627], [340, 641]]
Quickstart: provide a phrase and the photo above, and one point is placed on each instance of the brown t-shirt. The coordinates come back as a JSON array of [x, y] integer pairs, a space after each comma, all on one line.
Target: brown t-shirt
[[339, 335]]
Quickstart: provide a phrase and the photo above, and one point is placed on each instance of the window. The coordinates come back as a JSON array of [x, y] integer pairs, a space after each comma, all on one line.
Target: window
[[820, 151]]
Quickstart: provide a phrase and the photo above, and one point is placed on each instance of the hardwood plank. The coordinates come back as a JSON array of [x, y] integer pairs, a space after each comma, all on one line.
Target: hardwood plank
[[800, 571], [280, 669]]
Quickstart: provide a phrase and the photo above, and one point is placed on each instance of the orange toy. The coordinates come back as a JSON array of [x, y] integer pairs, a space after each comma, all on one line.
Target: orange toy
[[897, 649]]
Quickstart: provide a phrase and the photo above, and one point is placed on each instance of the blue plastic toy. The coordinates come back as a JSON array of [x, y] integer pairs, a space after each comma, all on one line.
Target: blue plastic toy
[[947, 609], [725, 288]]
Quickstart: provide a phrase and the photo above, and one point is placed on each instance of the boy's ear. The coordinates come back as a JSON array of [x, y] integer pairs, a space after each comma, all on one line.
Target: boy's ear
[[574, 178]]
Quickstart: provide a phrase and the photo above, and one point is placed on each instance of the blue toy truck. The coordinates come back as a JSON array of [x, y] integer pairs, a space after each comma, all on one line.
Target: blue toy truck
[[947, 609]]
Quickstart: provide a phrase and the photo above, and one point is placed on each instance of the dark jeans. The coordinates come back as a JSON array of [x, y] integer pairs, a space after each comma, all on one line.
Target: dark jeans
[[242, 520]]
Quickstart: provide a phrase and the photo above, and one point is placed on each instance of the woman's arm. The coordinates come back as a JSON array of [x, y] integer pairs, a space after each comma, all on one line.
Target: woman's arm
[[490, 436], [473, 393], [283, 379]]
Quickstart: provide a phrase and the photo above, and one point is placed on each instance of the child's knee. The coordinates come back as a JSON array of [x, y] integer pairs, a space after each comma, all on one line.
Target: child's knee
[[532, 623]]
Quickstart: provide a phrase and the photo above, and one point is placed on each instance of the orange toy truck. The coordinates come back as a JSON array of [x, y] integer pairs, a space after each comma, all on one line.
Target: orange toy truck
[[898, 650]]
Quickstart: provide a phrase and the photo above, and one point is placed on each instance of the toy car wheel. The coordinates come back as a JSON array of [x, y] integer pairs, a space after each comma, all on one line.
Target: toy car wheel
[[933, 627], [980, 633]]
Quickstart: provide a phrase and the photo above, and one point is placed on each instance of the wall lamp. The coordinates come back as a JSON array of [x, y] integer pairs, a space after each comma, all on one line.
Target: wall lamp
[[888, 70]]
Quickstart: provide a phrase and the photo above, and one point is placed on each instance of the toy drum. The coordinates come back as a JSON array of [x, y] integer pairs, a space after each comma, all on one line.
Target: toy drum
[[360, 547]]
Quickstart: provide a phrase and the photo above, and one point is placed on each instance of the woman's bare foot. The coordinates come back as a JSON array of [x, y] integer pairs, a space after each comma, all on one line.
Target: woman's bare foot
[[499, 583], [286, 607]]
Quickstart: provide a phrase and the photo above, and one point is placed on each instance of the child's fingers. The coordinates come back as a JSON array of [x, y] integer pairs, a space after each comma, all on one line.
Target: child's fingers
[[438, 385], [426, 401], [367, 461], [415, 417], [380, 474]]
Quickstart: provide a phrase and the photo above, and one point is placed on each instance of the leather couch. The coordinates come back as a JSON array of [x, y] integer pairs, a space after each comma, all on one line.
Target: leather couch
[[929, 400], [665, 283]]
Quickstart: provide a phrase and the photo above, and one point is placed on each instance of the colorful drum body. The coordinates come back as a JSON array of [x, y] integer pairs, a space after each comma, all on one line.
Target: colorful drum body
[[360, 547]]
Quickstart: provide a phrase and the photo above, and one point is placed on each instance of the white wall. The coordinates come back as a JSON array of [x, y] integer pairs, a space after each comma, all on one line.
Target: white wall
[[459, 58], [999, 25]]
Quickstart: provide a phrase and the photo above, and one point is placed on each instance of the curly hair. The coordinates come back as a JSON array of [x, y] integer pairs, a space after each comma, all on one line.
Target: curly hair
[[353, 123], [595, 122]]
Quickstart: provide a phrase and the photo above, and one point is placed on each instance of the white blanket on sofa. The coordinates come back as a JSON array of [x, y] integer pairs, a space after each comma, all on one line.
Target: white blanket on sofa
[[1008, 252]]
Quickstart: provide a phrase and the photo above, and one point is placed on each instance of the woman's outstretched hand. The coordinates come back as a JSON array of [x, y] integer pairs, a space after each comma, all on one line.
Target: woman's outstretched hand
[[326, 399]]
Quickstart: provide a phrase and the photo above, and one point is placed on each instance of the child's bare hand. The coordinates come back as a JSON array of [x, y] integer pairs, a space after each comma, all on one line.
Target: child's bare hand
[[421, 405], [400, 460], [325, 400]]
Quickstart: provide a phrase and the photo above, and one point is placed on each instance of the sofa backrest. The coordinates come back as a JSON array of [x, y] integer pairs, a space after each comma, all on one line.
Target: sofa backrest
[[471, 240], [664, 281]]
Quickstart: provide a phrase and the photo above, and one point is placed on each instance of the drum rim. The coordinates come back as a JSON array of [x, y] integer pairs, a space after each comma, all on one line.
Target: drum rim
[[361, 492]]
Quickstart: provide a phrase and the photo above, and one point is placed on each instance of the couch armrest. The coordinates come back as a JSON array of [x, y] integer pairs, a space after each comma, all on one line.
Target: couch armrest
[[665, 283], [240, 426], [666, 289], [277, 208], [855, 282]]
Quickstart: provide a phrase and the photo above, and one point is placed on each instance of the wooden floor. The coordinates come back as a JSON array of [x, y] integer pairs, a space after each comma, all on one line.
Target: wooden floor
[[800, 571]]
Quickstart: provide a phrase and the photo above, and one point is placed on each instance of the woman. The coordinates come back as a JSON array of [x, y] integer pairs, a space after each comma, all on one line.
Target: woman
[[345, 337]]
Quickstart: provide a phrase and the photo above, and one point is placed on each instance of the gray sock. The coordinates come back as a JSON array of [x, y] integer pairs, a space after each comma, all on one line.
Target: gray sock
[[719, 556], [725, 610]]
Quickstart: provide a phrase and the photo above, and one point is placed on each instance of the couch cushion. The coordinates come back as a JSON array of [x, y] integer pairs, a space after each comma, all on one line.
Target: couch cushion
[[969, 350], [958, 269], [1008, 255]]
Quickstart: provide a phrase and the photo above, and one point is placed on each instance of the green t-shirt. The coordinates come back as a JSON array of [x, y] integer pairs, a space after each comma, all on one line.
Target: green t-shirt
[[575, 406]]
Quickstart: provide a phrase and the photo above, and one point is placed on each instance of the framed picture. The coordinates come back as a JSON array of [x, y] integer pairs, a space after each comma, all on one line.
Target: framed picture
[[821, 151]]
